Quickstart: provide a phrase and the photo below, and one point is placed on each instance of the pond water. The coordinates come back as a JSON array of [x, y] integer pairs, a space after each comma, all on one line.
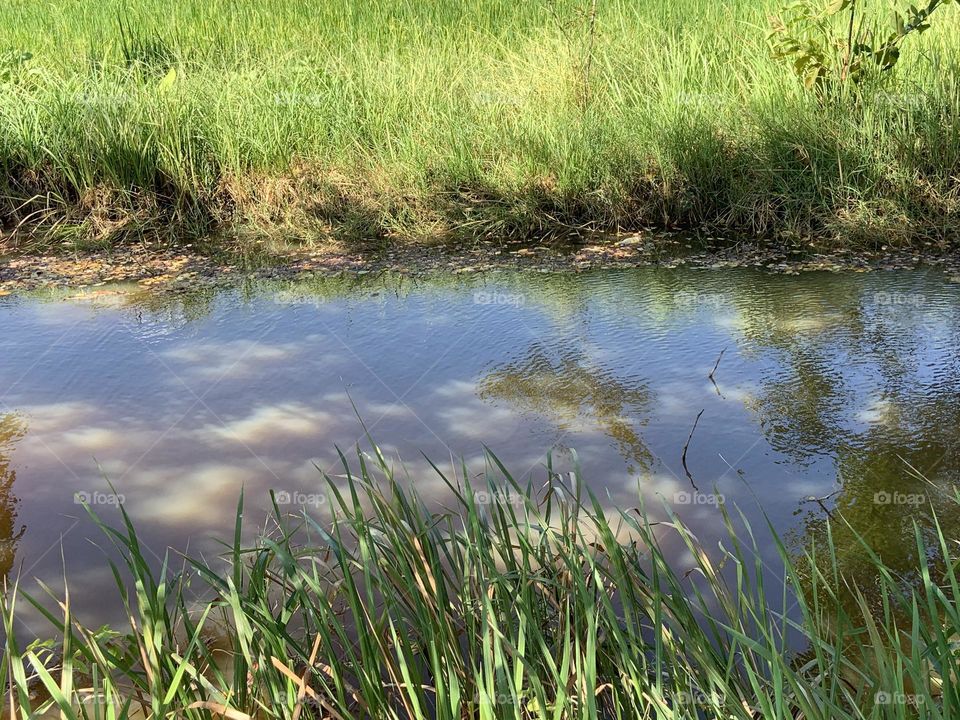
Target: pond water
[[827, 383]]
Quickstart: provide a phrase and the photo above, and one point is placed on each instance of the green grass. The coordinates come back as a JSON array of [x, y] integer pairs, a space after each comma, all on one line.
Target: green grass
[[393, 120], [516, 602]]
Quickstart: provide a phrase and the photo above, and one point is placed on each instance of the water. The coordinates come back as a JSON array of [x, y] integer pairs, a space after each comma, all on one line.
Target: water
[[827, 383]]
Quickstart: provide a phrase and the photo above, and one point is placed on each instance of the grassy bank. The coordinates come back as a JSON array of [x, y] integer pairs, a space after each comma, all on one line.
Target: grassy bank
[[457, 120], [517, 602]]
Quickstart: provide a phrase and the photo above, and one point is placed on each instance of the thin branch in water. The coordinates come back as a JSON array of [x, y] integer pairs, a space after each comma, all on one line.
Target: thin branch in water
[[715, 366], [820, 500], [683, 457]]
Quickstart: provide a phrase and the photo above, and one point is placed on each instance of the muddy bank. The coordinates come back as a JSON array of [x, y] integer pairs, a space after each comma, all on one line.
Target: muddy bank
[[185, 267]]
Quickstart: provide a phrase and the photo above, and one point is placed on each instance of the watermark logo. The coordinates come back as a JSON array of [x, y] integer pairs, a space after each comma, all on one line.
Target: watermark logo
[[698, 99], [688, 298], [93, 698], [292, 297], [300, 499], [502, 698], [98, 498], [900, 101], [497, 98], [483, 497], [482, 297], [295, 99], [100, 99], [897, 698], [888, 299], [699, 698], [698, 498], [899, 498]]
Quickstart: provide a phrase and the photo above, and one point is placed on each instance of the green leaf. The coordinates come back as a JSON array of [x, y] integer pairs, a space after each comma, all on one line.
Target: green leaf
[[168, 80], [887, 57], [812, 76], [838, 6]]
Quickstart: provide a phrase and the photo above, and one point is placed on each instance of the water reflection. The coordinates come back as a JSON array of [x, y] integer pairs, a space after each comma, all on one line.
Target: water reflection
[[872, 383], [862, 377], [11, 429], [561, 384], [897, 481], [828, 382]]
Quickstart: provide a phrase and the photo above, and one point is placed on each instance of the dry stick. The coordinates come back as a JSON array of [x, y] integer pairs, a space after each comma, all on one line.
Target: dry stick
[[715, 366], [287, 672], [820, 500], [849, 50], [592, 30], [303, 680], [683, 457]]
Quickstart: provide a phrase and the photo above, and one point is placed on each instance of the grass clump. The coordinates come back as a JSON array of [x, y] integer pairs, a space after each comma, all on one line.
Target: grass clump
[[516, 602], [460, 120]]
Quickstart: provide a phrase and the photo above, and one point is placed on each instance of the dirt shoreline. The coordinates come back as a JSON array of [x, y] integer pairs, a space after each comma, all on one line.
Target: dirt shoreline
[[181, 268]]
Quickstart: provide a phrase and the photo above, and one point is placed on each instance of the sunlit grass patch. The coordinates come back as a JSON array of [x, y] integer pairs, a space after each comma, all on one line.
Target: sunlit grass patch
[[458, 120]]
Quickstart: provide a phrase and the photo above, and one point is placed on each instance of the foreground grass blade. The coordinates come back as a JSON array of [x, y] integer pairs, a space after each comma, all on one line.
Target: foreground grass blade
[[514, 602]]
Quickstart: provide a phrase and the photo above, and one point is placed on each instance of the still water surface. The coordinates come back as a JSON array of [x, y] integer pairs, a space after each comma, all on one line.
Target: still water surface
[[827, 383]]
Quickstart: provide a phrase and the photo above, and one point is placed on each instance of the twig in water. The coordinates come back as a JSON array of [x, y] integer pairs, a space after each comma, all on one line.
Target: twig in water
[[710, 376], [716, 365], [683, 457], [819, 501]]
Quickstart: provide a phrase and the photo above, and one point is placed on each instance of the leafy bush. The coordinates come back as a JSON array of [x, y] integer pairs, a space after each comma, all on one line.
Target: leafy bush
[[829, 46]]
